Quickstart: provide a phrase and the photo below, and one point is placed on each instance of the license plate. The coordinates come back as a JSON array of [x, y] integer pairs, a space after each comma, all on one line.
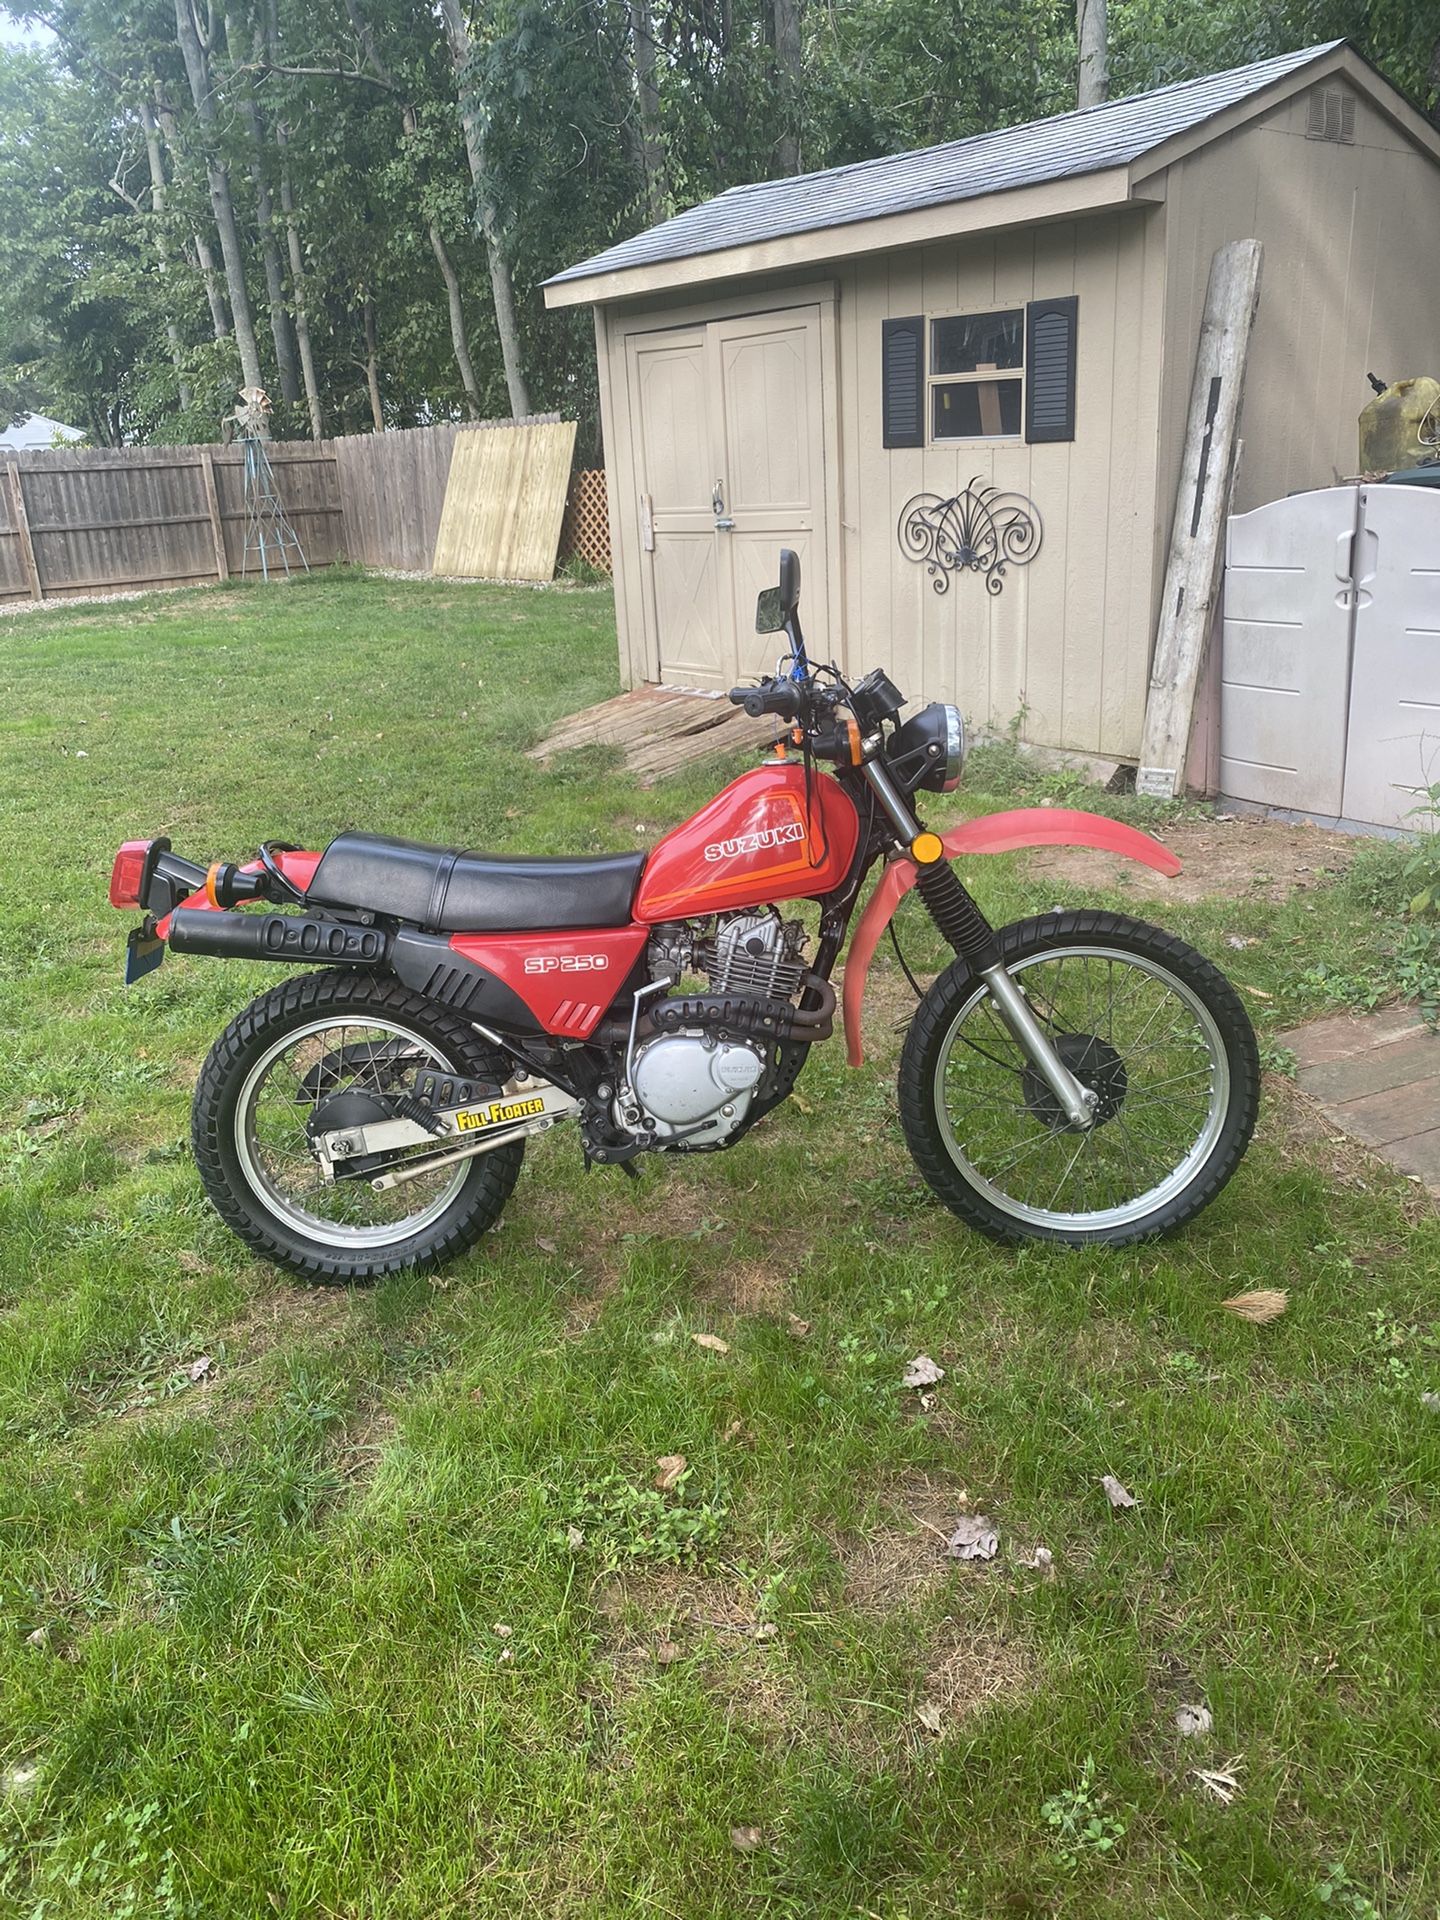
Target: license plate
[[142, 955]]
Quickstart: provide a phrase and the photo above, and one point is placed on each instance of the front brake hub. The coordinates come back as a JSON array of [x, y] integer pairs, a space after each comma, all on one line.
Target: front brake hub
[[1095, 1064]]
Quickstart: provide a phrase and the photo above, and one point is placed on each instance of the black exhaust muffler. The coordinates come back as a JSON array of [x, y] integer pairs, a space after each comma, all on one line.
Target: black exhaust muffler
[[277, 936]]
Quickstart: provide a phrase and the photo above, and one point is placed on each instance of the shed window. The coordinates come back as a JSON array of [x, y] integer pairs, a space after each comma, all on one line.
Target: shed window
[[1008, 375], [977, 375]]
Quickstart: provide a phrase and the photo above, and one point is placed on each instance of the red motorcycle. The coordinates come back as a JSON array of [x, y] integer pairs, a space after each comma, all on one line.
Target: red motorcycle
[[1077, 1077]]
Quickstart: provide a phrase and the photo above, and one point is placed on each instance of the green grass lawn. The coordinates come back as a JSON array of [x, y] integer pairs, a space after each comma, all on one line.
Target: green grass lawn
[[336, 1628]]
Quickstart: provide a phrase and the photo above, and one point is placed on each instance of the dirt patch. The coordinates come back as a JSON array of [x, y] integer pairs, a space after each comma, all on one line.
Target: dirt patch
[[902, 1560], [752, 1288], [974, 1666], [1239, 858]]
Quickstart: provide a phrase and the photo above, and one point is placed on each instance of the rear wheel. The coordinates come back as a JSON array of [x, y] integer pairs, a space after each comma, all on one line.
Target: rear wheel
[[1144, 1021], [331, 1050]]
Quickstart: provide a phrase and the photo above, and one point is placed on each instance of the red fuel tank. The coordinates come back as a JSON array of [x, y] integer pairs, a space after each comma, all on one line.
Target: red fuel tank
[[757, 841]]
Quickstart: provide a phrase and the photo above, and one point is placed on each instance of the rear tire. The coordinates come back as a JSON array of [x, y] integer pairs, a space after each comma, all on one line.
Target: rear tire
[[451, 1209], [1179, 1108]]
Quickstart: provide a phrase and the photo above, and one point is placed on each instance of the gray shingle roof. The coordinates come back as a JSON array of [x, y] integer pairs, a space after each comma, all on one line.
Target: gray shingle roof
[[1085, 141]]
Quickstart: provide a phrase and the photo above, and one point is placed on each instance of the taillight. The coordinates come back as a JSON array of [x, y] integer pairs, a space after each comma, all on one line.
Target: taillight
[[127, 876]]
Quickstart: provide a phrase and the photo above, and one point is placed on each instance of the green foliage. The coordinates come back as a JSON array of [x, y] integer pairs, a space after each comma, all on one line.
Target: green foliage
[[624, 1523], [354, 113], [1080, 1826]]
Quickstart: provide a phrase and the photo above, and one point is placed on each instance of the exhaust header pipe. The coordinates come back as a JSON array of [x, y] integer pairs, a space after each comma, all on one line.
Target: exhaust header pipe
[[277, 936]]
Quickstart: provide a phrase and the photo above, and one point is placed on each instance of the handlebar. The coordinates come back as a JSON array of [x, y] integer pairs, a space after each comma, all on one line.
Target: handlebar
[[780, 697]]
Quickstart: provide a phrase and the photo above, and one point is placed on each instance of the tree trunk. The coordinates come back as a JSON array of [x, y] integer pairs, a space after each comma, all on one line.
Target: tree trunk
[[458, 337], [297, 283], [204, 256], [372, 367], [162, 244], [502, 288], [788, 59], [280, 331], [647, 96], [195, 53], [1093, 42]]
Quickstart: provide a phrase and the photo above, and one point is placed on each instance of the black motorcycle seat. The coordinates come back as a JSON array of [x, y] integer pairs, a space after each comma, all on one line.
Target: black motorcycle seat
[[456, 892]]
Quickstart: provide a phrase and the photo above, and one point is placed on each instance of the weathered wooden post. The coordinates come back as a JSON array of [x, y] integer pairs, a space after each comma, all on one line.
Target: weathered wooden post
[[1202, 503]]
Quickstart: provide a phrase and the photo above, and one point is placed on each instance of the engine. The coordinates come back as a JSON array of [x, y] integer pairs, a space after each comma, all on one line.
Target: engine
[[696, 1083]]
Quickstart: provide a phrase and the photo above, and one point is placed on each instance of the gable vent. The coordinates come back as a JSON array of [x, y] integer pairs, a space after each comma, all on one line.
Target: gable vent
[[1332, 116]]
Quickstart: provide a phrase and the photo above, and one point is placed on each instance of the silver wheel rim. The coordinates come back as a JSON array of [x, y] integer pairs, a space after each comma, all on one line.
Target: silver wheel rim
[[276, 1169], [1177, 1094]]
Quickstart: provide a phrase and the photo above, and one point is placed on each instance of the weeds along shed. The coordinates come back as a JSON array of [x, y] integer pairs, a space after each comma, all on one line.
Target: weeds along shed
[[825, 362]]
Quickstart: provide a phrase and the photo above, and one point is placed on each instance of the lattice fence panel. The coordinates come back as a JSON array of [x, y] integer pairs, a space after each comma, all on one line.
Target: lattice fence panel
[[585, 533]]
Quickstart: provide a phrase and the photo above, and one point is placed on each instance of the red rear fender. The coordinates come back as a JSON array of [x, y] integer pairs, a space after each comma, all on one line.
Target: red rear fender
[[994, 833]]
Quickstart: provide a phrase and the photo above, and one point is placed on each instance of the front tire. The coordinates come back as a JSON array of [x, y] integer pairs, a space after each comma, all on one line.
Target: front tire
[[320, 1039], [1144, 1020]]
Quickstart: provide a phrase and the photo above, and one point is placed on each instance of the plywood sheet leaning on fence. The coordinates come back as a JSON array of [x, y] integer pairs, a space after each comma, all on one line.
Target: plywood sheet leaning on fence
[[505, 501]]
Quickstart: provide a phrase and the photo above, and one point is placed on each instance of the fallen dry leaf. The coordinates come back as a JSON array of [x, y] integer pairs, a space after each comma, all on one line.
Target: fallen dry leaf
[[501, 1628], [200, 1369], [545, 1246], [745, 1839], [666, 1653], [766, 1630], [711, 1342], [1041, 1561], [798, 1327], [574, 1538], [931, 1715], [1260, 1307], [732, 1432], [1191, 1722], [975, 1538], [1221, 1782], [1117, 1495], [922, 1372], [672, 1466]]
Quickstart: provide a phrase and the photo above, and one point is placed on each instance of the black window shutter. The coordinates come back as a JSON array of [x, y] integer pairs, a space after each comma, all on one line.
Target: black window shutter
[[1050, 328], [902, 355]]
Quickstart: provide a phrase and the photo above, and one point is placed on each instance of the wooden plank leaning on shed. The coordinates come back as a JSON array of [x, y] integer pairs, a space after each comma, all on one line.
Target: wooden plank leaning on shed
[[1202, 502], [505, 501]]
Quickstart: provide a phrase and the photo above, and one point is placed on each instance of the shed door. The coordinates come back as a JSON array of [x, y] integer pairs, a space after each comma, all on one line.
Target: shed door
[[731, 432]]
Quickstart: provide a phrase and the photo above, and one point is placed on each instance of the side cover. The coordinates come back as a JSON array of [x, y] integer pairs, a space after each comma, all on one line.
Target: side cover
[[995, 833]]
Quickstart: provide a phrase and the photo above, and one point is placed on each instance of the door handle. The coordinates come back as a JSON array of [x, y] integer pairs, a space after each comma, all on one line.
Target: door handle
[[723, 522]]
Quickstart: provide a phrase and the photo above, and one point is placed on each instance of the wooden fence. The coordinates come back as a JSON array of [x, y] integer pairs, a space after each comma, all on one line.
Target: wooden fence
[[136, 517], [151, 516]]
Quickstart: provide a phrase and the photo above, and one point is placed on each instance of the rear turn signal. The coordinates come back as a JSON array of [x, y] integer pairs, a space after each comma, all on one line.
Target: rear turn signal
[[127, 876]]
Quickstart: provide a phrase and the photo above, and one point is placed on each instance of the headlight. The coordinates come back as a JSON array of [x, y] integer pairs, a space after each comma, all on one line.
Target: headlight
[[928, 753]]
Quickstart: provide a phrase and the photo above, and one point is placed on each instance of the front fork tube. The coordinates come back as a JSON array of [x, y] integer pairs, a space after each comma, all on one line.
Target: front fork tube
[[966, 929]]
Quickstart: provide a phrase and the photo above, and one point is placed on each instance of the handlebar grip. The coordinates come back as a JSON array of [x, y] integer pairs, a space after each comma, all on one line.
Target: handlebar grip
[[771, 696]]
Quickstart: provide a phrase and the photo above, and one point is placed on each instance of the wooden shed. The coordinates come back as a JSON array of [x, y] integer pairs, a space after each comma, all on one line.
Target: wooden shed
[[985, 349]]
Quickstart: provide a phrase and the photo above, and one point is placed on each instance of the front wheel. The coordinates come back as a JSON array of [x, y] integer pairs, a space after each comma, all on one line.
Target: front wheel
[[1147, 1023]]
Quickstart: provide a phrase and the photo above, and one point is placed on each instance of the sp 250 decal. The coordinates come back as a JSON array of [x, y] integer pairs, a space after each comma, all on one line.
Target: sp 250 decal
[[567, 963]]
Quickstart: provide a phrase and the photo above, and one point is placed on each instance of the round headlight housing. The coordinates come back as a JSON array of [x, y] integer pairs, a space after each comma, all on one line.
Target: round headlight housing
[[928, 752]]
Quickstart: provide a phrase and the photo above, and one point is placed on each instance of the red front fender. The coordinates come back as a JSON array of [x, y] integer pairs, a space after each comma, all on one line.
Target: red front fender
[[994, 833]]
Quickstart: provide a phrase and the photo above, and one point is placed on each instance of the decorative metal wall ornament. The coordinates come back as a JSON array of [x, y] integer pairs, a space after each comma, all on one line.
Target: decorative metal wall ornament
[[978, 530]]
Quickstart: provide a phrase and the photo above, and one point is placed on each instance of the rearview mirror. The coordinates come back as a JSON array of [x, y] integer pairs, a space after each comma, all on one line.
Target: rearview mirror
[[776, 605]]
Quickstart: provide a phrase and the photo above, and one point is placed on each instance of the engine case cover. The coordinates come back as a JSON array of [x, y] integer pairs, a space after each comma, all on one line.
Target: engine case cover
[[684, 1079]]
